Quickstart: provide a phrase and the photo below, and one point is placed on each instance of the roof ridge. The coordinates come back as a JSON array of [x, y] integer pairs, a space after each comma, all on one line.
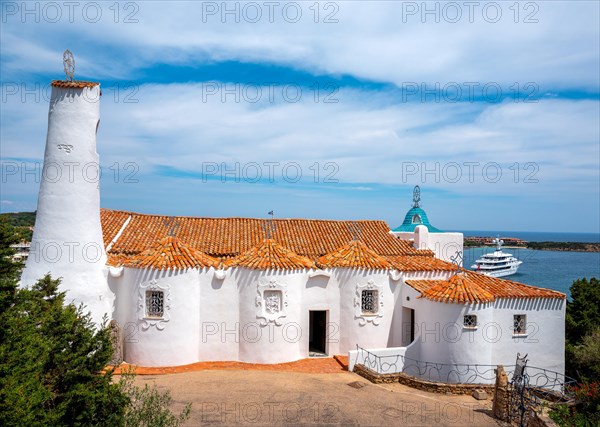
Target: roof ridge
[[354, 254], [268, 253], [244, 217], [170, 253], [457, 288]]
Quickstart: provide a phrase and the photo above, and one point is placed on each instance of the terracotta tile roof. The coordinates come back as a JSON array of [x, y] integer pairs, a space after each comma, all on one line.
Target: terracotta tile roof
[[169, 253], [229, 237], [111, 221], [457, 289], [270, 255], [419, 263], [468, 287], [117, 260], [354, 255], [502, 288], [73, 84]]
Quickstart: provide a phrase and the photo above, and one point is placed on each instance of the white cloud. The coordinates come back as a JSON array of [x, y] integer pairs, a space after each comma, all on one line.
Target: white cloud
[[370, 41]]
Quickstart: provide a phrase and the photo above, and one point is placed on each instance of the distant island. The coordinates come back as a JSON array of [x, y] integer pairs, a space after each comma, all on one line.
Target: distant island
[[477, 241]]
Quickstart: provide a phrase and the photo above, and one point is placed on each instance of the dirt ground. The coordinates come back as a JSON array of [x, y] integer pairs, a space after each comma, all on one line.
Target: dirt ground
[[229, 398]]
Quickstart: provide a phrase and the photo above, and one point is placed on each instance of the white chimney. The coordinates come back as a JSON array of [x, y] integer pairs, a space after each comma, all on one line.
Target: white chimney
[[67, 239]]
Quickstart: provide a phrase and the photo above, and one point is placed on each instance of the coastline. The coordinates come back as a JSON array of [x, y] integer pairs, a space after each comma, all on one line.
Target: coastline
[[561, 249]]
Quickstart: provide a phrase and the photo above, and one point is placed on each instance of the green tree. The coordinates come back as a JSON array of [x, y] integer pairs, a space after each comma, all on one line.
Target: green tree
[[9, 269], [583, 312], [53, 361], [586, 356], [50, 362], [582, 326], [582, 320]]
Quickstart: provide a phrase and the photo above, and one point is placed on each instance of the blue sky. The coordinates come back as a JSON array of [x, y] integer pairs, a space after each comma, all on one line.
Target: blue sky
[[208, 113]]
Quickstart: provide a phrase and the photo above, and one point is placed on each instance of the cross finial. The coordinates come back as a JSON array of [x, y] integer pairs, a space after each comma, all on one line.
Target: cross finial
[[69, 65], [416, 196]]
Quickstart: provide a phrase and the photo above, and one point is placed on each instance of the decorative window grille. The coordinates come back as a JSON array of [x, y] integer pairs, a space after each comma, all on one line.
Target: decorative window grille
[[155, 303], [470, 321], [369, 301], [520, 324]]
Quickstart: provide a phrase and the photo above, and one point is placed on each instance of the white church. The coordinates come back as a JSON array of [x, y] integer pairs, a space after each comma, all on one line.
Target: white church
[[191, 289]]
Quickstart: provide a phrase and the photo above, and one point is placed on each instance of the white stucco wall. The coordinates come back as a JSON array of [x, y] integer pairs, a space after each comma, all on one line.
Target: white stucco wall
[[366, 331], [545, 339], [443, 339], [444, 245], [223, 319], [67, 239], [278, 338], [173, 340], [322, 293]]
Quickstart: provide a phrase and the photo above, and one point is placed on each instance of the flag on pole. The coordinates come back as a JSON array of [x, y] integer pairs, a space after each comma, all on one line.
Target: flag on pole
[[271, 213]]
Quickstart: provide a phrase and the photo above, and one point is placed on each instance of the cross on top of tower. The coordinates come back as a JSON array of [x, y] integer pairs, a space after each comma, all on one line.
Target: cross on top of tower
[[69, 65], [416, 197]]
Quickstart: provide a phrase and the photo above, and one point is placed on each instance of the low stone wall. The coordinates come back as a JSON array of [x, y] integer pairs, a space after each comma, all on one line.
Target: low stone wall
[[420, 384]]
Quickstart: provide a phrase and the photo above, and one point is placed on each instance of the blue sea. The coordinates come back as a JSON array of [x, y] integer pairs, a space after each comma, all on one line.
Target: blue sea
[[539, 236], [548, 269]]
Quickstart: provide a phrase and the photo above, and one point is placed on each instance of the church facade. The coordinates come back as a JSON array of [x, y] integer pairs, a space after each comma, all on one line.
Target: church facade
[[190, 289]]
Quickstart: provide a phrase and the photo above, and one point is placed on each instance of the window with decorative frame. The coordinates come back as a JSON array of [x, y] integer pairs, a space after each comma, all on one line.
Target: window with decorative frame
[[155, 304], [519, 324], [470, 321], [369, 301]]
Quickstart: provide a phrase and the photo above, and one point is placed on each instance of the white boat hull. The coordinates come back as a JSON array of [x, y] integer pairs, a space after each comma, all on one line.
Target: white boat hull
[[500, 273]]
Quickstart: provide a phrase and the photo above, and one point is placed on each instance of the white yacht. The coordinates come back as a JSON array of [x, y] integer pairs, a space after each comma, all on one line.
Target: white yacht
[[497, 263]]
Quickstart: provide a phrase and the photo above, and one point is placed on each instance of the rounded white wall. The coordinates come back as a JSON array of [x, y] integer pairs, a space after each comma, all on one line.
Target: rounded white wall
[[67, 239], [544, 342], [271, 335], [219, 310], [168, 341], [356, 328]]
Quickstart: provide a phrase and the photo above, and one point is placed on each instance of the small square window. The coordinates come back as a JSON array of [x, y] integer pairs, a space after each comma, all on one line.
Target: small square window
[[519, 324], [369, 301], [470, 321], [155, 303]]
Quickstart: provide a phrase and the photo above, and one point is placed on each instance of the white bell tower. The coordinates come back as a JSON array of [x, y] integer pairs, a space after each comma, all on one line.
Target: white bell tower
[[67, 239]]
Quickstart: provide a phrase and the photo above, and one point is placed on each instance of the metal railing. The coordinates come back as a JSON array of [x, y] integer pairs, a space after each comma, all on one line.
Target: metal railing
[[546, 384]]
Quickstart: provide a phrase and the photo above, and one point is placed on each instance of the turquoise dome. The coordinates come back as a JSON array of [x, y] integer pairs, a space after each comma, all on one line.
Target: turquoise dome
[[416, 216]]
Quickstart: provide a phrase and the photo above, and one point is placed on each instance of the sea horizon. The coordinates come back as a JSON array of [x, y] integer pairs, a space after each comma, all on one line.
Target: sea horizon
[[538, 236]]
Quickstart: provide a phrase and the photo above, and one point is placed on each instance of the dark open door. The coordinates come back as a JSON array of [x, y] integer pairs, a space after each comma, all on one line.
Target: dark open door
[[317, 332]]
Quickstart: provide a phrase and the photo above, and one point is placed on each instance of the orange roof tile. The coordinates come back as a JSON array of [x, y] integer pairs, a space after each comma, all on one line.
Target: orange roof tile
[[117, 260], [229, 237], [271, 255], [457, 289], [76, 84], [419, 263], [354, 255], [469, 287], [503, 288], [112, 222], [169, 253]]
